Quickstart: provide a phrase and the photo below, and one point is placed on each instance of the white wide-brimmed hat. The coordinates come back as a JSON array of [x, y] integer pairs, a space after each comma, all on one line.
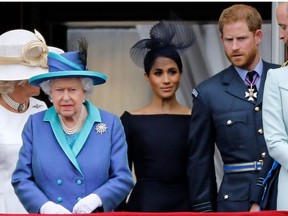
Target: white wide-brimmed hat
[[23, 54]]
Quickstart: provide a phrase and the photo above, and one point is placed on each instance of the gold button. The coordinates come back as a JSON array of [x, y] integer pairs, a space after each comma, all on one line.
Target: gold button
[[229, 122], [257, 109], [260, 131], [226, 197], [261, 162]]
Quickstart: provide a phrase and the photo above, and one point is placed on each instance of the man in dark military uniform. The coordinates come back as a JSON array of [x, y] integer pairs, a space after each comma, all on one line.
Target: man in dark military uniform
[[227, 110]]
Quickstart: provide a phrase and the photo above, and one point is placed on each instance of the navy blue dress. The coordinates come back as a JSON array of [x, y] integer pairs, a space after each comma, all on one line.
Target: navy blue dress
[[157, 146]]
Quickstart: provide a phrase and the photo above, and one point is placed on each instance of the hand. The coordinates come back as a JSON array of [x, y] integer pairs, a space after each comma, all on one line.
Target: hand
[[255, 207], [53, 208], [87, 204]]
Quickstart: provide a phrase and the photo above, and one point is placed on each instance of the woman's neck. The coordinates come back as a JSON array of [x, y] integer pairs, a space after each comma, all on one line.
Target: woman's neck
[[14, 102], [164, 106]]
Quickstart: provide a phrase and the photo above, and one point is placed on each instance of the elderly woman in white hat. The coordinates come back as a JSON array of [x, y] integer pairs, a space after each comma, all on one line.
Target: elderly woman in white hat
[[23, 54], [74, 155]]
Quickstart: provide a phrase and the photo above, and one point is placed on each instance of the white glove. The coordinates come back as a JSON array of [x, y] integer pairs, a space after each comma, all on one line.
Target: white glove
[[53, 208], [87, 204]]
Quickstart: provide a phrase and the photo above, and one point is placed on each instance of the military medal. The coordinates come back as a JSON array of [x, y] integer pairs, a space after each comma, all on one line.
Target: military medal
[[251, 94], [251, 83]]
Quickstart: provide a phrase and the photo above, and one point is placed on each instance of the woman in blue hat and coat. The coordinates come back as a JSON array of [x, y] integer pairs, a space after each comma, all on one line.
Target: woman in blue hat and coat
[[74, 155]]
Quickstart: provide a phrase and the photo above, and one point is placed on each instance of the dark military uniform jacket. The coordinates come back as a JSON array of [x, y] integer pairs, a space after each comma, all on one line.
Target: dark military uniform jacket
[[223, 115]]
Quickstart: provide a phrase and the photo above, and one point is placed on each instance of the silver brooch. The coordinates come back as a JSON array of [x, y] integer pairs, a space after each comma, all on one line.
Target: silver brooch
[[101, 128], [37, 106]]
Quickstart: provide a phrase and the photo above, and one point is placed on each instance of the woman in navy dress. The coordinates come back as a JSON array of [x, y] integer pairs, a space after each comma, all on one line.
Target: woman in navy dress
[[157, 133]]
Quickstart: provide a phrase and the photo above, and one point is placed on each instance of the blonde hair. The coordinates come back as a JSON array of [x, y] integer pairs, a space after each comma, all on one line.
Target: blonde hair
[[7, 87]]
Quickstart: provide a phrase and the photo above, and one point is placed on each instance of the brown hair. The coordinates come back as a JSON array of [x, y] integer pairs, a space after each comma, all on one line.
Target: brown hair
[[241, 12]]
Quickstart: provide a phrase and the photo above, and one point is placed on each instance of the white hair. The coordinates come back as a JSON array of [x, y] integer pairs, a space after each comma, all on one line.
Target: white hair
[[87, 85]]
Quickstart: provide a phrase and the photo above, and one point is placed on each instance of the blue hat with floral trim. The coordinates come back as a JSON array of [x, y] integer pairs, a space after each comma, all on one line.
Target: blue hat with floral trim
[[67, 65]]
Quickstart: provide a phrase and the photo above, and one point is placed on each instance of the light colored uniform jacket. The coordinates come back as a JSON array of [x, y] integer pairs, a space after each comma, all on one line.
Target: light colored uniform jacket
[[275, 122]]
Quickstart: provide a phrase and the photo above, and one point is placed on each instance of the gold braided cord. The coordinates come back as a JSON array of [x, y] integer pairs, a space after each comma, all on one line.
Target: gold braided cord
[[26, 58], [284, 64]]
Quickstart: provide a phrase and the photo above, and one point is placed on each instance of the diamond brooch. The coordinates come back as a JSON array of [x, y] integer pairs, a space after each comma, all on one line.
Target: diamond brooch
[[101, 128]]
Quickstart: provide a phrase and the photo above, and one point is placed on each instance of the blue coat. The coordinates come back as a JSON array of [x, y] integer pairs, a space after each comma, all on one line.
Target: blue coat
[[221, 114], [49, 169]]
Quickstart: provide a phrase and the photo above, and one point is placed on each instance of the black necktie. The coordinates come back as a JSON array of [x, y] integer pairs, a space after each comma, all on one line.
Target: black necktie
[[251, 75]]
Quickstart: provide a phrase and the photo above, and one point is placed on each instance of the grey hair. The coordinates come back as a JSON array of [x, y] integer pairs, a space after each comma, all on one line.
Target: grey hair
[[87, 85]]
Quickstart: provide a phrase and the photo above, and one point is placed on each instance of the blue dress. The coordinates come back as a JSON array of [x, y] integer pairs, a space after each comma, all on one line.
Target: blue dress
[[157, 147]]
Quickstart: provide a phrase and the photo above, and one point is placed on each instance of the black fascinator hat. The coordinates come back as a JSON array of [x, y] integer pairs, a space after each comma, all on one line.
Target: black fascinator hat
[[176, 35]]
